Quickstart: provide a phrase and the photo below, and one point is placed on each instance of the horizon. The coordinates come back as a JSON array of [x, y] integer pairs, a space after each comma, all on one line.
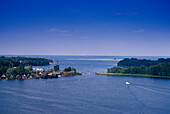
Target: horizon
[[86, 55], [85, 28]]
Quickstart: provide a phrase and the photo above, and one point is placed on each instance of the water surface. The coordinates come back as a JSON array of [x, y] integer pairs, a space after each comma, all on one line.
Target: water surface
[[88, 93]]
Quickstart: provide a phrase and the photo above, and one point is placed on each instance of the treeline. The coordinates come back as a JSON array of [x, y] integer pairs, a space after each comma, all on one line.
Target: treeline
[[138, 62], [72, 69], [69, 69], [15, 61], [20, 70], [161, 69], [12, 62]]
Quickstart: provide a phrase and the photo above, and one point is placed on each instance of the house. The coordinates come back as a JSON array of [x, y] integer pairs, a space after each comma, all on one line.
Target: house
[[18, 77], [24, 76], [69, 73], [21, 61], [11, 77], [37, 76], [38, 69], [50, 75], [56, 74], [3, 77], [33, 75], [45, 74], [30, 77]]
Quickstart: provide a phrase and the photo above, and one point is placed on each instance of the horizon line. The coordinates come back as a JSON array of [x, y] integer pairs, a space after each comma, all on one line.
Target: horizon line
[[79, 55]]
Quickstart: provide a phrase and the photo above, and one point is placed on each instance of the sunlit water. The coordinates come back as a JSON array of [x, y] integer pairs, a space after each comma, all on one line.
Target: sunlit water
[[88, 93]]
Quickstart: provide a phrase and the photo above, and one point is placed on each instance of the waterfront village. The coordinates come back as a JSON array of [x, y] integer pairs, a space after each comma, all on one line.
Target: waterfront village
[[21, 68], [37, 73]]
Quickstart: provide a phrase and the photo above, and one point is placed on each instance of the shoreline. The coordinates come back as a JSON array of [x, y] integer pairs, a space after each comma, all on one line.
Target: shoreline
[[97, 59], [133, 75]]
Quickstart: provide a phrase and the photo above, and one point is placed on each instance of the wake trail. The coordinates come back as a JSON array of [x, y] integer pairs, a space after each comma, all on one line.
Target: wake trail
[[150, 86], [155, 91], [141, 109]]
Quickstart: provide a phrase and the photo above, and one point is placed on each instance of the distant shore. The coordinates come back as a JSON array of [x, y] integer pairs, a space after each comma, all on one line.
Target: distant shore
[[97, 59], [136, 75]]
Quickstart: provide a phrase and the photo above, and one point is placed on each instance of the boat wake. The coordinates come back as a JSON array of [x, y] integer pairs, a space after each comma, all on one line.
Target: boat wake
[[156, 89], [141, 109], [151, 86]]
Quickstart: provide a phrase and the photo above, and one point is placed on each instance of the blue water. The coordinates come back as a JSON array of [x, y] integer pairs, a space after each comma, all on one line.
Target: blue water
[[88, 93]]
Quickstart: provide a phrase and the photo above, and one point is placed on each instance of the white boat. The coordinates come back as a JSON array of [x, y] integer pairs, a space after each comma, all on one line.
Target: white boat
[[127, 83]]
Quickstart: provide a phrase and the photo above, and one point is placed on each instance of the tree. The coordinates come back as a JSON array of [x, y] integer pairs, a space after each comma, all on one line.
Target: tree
[[114, 70], [67, 69], [73, 69], [132, 62], [10, 71], [20, 69], [56, 67], [29, 68]]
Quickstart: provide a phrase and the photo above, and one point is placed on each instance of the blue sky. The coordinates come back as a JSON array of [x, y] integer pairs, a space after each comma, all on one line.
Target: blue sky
[[85, 27]]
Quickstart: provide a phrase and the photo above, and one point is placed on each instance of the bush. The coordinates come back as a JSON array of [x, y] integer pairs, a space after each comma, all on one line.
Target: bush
[[10, 71], [56, 67]]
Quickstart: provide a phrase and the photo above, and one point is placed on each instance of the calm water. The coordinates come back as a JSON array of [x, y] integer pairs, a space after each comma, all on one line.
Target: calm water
[[88, 93]]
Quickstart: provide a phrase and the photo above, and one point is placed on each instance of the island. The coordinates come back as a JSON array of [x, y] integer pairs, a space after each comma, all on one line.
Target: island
[[141, 67], [21, 68]]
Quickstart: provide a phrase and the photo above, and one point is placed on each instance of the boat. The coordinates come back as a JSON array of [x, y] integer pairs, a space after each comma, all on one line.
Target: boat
[[127, 83]]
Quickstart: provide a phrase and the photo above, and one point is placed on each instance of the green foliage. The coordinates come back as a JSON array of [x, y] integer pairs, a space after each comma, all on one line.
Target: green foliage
[[3, 69], [114, 69], [28, 70], [51, 70], [69, 69], [56, 67], [138, 62], [73, 69], [10, 62], [78, 73], [26, 61], [161, 69], [10, 71], [20, 69]]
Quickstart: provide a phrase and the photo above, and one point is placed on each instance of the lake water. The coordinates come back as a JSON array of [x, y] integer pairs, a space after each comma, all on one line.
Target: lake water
[[88, 93]]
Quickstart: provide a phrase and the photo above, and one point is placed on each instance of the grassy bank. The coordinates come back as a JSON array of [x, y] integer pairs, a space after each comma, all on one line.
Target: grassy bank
[[136, 75]]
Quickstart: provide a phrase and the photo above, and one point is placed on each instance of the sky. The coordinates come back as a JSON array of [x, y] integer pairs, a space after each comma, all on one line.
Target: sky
[[85, 27]]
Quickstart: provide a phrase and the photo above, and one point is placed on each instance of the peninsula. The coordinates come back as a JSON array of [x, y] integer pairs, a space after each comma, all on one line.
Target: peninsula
[[21, 68], [144, 68]]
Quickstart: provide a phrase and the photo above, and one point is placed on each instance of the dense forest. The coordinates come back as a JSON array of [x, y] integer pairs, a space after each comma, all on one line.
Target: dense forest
[[161, 69], [138, 62], [9, 63]]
